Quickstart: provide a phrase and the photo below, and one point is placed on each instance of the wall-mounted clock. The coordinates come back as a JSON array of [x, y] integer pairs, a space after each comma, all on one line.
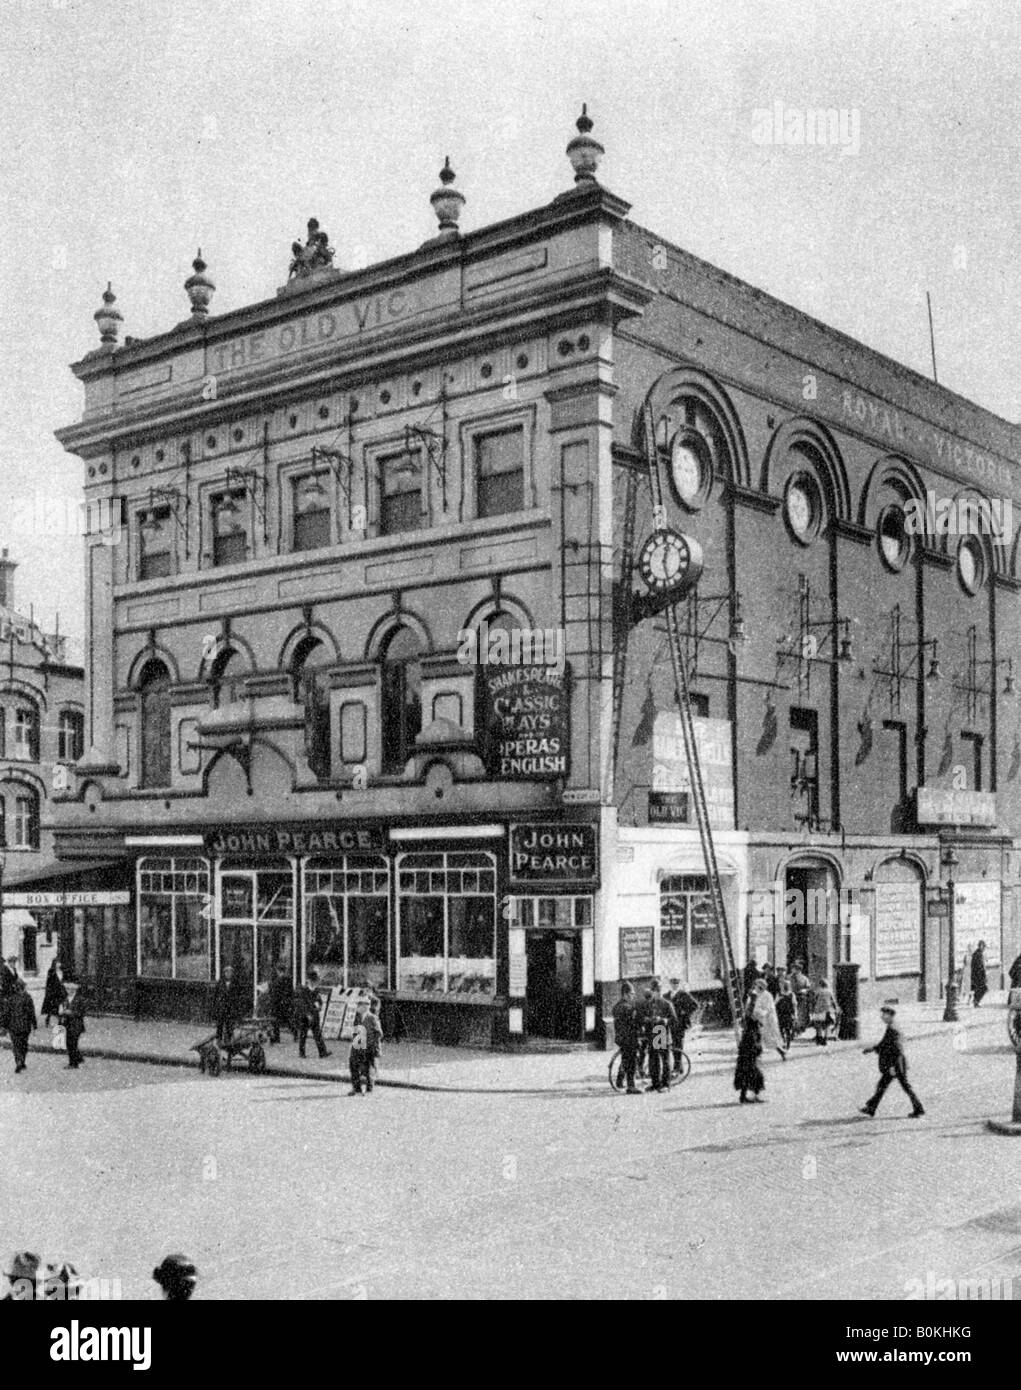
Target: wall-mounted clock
[[665, 561]]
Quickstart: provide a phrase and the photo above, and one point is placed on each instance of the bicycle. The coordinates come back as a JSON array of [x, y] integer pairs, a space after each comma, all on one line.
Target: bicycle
[[679, 1071]]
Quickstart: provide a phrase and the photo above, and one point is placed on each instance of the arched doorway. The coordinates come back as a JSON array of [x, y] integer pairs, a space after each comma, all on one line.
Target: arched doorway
[[812, 916]]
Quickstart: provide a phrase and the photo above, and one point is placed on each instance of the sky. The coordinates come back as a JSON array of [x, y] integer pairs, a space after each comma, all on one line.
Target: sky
[[133, 133]]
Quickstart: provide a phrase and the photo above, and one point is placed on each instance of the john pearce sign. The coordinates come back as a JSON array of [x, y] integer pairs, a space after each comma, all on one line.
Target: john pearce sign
[[554, 852], [313, 837]]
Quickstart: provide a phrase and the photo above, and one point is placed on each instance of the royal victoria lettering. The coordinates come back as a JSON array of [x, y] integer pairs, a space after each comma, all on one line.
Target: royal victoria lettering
[[311, 331]]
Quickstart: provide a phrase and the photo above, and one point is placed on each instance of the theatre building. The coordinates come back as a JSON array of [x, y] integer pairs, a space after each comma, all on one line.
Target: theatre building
[[360, 698]]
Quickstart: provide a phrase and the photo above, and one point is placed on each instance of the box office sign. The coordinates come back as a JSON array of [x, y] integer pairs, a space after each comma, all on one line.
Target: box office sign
[[524, 714], [554, 853], [303, 837]]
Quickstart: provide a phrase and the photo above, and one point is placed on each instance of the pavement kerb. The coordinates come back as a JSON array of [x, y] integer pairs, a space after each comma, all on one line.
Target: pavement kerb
[[708, 1065]]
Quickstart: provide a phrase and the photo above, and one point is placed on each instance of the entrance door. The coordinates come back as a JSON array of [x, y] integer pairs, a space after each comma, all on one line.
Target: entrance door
[[810, 906], [257, 923], [553, 1002]]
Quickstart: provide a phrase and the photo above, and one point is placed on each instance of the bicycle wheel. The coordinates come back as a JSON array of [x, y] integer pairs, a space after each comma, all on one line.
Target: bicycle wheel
[[681, 1072], [616, 1072]]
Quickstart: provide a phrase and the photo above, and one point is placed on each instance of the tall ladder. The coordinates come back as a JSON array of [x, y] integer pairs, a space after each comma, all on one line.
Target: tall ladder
[[734, 992]]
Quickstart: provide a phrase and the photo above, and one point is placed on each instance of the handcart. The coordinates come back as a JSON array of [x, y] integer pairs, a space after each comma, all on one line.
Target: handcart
[[248, 1039]]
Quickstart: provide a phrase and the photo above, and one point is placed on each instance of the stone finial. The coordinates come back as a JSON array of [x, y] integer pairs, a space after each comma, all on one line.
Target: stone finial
[[199, 287], [447, 202], [108, 318], [584, 152]]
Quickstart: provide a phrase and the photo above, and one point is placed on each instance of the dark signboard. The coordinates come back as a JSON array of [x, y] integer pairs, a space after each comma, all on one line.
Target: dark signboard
[[637, 952], [669, 808], [300, 837], [524, 719], [554, 852]]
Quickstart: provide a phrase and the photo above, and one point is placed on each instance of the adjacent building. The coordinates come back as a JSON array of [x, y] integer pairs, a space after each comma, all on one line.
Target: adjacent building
[[362, 695]]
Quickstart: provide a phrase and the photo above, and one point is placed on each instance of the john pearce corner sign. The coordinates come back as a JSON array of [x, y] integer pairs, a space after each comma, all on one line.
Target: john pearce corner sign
[[310, 837], [554, 852]]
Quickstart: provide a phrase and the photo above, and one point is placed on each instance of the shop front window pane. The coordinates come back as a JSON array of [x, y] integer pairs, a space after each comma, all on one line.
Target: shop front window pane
[[367, 941], [193, 960], [275, 901], [236, 899], [325, 938], [276, 945], [156, 926], [583, 912], [421, 966]]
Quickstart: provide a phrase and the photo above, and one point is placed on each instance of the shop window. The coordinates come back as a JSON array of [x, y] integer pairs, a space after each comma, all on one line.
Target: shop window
[[154, 713], [401, 691], [26, 734], [70, 735], [400, 492], [174, 918], [688, 940], [311, 513], [447, 923], [25, 820], [500, 472], [561, 911], [230, 539], [352, 732], [348, 920], [154, 548]]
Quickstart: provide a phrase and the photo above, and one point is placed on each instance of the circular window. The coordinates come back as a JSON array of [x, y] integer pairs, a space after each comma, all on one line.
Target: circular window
[[691, 468], [971, 564], [894, 541], [803, 507]]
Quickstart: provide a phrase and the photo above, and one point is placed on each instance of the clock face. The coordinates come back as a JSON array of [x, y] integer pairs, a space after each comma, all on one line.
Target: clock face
[[687, 468], [664, 560], [802, 508]]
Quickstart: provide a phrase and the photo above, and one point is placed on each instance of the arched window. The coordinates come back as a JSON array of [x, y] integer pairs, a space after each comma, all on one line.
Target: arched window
[[401, 698], [154, 709], [310, 653], [22, 816], [70, 735], [26, 733]]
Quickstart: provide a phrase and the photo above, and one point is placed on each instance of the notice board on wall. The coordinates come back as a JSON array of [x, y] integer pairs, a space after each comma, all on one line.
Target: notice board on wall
[[977, 918], [898, 929], [637, 952]]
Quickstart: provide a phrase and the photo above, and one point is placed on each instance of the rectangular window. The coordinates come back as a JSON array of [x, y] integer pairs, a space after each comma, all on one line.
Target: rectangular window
[[899, 740], [973, 748], [154, 543], [70, 736], [26, 735], [230, 540], [805, 765], [688, 940], [500, 472], [311, 511], [400, 492], [26, 823], [447, 916], [174, 918]]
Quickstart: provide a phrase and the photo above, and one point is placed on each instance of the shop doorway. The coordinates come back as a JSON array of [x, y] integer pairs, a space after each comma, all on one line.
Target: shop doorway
[[553, 1002], [257, 918], [812, 917]]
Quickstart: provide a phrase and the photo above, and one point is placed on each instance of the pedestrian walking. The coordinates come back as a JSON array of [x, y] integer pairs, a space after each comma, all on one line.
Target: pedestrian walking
[[748, 1074], [979, 977], [73, 1019], [685, 1006], [374, 1029], [893, 1065], [824, 1012], [226, 1006], [659, 1023], [306, 1015], [358, 1056], [764, 1013], [786, 1013], [281, 1004], [9, 978], [771, 975], [626, 1033], [801, 988], [750, 974], [55, 993], [176, 1277], [21, 1021]]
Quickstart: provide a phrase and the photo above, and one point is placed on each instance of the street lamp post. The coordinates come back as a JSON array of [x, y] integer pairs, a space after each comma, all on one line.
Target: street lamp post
[[949, 861]]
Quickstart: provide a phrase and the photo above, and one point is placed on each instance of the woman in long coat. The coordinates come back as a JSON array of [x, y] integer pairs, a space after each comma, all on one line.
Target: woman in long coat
[[764, 1013], [55, 995], [748, 1074], [979, 979]]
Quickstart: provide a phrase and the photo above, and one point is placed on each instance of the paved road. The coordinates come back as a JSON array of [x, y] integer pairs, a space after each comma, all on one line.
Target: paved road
[[294, 1189]]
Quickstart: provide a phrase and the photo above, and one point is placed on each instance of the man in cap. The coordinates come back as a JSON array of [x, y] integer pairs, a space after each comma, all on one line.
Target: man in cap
[[893, 1065], [21, 1021]]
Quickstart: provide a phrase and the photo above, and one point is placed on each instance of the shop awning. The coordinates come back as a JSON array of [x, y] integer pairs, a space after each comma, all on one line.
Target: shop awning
[[72, 873]]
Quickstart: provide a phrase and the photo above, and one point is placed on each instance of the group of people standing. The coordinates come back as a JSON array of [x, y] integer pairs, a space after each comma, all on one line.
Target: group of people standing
[[652, 1030], [18, 1015]]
